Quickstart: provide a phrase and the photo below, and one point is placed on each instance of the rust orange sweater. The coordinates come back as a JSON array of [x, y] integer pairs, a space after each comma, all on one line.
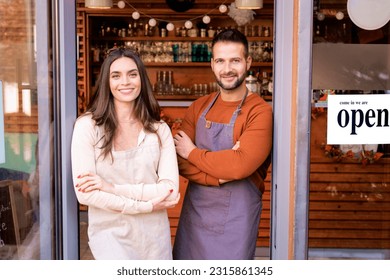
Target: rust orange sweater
[[253, 128]]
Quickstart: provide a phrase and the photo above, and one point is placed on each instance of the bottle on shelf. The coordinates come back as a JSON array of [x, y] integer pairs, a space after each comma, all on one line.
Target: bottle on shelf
[[267, 52], [96, 53], [264, 84], [260, 31], [103, 51], [252, 83], [102, 31], [318, 32], [270, 84], [267, 31]]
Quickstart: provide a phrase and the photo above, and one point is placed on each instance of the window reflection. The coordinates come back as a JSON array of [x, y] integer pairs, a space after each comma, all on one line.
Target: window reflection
[[24, 234]]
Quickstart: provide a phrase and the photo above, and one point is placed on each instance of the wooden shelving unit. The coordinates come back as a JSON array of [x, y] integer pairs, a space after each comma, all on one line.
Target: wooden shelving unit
[[186, 74]]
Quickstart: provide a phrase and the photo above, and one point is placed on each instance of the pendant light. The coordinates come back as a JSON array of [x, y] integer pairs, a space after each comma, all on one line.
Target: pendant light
[[249, 4], [98, 4]]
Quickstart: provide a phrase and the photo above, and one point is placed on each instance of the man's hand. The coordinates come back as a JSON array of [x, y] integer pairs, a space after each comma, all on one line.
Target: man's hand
[[183, 144], [235, 147]]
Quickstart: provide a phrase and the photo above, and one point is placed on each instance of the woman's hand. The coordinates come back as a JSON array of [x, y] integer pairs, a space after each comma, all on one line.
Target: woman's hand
[[161, 203], [88, 182]]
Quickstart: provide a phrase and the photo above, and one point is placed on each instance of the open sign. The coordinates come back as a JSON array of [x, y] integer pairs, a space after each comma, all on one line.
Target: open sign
[[358, 119]]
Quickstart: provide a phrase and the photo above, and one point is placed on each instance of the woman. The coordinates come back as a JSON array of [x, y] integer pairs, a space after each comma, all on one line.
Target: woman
[[124, 164]]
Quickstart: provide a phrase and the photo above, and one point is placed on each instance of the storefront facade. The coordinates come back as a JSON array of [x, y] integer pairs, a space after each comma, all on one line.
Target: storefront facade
[[319, 207]]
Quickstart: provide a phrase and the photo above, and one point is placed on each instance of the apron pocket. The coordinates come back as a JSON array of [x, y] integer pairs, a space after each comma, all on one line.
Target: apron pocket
[[208, 207]]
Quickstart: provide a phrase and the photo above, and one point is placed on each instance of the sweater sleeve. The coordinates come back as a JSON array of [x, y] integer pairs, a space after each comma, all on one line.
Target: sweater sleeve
[[194, 174], [168, 174], [187, 169], [84, 139]]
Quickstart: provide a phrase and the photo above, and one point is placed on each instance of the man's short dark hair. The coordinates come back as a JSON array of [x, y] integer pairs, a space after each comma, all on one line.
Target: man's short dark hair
[[231, 35]]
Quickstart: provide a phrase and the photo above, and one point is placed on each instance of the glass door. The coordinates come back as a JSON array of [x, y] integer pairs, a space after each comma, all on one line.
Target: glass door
[[26, 135], [35, 125], [349, 212]]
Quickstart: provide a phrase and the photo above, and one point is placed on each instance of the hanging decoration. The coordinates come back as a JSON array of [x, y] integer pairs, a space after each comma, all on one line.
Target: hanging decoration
[[121, 4], [170, 26], [240, 16], [321, 14], [369, 15], [136, 15], [152, 22], [188, 24], [223, 8], [206, 19]]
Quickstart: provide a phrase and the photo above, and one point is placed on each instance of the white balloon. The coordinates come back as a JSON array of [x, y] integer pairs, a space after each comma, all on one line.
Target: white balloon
[[121, 4], [206, 19], [135, 15], [223, 8], [152, 22], [188, 24], [170, 26]]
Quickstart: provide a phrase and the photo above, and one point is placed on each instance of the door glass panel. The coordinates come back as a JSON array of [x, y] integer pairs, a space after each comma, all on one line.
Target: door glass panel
[[349, 210], [189, 82], [26, 208]]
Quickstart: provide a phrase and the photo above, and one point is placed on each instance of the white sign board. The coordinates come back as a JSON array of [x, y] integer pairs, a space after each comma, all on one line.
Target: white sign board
[[358, 119], [2, 139]]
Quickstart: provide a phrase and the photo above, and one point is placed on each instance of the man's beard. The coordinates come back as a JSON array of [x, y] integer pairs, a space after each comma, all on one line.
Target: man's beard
[[237, 84]]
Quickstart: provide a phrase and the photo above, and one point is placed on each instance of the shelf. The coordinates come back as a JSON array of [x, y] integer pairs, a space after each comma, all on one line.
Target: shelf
[[193, 97], [186, 74], [170, 38], [190, 64], [201, 64]]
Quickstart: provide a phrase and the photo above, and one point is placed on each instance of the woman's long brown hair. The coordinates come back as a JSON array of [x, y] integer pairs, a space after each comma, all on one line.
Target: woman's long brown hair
[[146, 107]]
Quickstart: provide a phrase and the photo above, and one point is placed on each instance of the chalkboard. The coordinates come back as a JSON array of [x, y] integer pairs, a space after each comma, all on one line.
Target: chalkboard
[[9, 229]]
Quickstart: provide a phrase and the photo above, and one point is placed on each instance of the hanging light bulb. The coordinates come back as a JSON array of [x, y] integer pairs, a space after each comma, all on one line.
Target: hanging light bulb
[[152, 22], [188, 24], [206, 19], [170, 26], [223, 8], [121, 4], [339, 15], [135, 15], [320, 16]]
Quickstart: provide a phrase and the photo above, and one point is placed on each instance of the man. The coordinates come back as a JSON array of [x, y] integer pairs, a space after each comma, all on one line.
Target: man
[[224, 148]]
